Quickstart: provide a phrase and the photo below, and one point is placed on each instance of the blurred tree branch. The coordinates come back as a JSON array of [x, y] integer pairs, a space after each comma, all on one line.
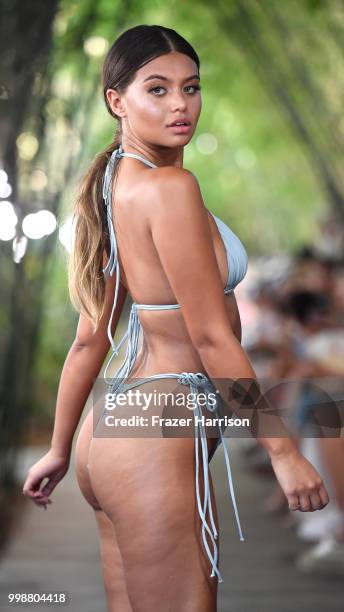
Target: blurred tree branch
[[29, 72], [243, 22]]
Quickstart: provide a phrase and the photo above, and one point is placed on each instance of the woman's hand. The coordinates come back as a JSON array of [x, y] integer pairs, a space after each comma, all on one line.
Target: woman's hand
[[301, 483], [51, 466]]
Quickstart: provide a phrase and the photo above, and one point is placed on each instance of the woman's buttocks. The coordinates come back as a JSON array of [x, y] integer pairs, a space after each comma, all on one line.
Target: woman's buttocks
[[167, 346]]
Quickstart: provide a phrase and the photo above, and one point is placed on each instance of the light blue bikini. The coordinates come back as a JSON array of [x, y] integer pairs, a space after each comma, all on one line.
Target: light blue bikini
[[198, 382]]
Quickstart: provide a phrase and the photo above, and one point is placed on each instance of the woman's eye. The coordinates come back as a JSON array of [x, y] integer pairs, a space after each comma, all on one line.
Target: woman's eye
[[155, 88], [195, 87]]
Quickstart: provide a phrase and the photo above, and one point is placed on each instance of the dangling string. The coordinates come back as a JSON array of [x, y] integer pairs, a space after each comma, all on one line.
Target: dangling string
[[113, 263], [195, 380], [230, 484]]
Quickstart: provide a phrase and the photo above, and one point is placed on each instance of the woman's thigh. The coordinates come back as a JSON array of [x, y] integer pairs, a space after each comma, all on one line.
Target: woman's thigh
[[147, 489], [112, 565]]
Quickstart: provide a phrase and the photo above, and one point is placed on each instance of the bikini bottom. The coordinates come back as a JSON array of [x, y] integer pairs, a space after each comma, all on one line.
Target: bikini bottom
[[199, 385]]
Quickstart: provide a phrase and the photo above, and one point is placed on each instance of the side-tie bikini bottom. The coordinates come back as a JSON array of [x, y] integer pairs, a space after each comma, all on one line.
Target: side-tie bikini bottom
[[200, 385]]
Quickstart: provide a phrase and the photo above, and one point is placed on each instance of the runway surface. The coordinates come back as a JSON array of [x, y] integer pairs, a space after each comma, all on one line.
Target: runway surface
[[58, 549]]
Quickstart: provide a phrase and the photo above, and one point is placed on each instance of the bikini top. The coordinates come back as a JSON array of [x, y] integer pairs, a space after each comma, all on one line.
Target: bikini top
[[237, 262]]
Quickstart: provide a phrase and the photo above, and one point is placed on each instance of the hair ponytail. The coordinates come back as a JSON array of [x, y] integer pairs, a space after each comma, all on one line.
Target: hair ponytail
[[91, 240]]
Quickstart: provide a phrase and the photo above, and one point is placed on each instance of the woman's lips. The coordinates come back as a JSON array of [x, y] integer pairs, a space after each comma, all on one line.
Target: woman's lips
[[179, 129]]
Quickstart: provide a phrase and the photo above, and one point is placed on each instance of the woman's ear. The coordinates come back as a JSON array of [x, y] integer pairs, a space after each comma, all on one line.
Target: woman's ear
[[116, 103]]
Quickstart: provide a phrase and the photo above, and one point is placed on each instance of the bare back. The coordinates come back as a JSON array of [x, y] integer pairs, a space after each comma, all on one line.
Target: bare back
[[167, 345]]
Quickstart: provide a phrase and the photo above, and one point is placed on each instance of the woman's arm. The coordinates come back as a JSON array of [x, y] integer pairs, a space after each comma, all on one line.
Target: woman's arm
[[81, 367], [182, 236], [191, 267]]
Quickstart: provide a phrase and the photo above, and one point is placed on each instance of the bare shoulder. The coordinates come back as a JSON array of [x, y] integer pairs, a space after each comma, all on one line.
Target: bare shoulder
[[174, 174], [172, 178], [174, 192]]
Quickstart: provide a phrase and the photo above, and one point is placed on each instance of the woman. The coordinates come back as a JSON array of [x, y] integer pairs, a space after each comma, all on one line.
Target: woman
[[142, 222]]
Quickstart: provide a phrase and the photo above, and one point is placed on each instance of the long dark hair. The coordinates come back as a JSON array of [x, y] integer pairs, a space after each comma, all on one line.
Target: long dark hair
[[130, 51]]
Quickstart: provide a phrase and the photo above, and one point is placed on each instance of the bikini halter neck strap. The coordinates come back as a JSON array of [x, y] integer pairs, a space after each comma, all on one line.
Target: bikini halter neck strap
[[115, 156]]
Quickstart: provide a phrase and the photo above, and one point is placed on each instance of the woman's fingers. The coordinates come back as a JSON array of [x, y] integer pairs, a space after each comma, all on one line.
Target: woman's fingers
[[30, 486], [309, 502], [301, 483], [315, 501], [31, 489], [43, 477], [305, 503], [49, 487], [41, 498], [323, 495], [293, 502]]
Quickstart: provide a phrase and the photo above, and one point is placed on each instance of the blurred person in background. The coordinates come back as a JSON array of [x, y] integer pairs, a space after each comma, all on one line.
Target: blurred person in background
[[299, 336], [318, 341]]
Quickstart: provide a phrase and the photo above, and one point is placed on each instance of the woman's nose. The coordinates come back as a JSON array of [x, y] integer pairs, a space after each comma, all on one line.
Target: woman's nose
[[178, 102]]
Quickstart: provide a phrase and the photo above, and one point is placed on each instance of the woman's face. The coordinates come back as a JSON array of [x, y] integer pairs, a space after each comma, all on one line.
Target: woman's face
[[165, 90]]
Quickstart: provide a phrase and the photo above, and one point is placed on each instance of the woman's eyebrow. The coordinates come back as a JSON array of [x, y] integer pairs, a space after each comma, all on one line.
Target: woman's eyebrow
[[163, 78]]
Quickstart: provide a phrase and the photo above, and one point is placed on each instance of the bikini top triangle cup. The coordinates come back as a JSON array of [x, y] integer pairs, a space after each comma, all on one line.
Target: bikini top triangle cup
[[237, 259]]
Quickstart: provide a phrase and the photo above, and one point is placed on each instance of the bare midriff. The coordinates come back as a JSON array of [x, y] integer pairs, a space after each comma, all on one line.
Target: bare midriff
[[166, 345]]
